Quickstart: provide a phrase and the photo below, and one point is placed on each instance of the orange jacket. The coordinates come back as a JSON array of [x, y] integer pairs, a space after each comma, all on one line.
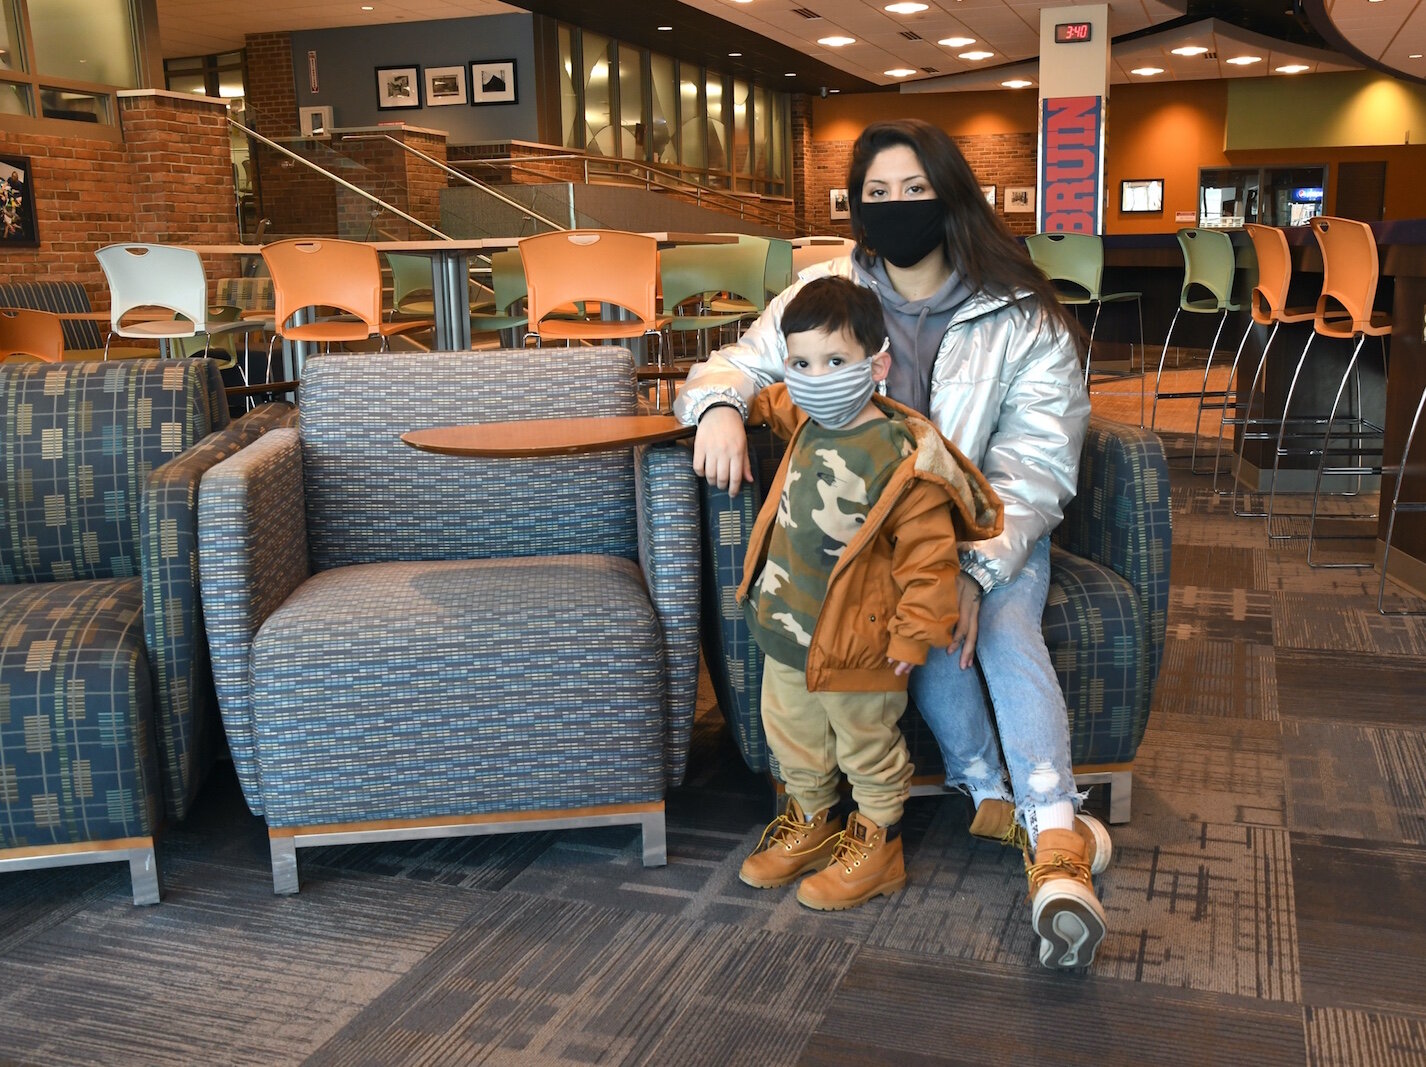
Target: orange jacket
[[893, 591]]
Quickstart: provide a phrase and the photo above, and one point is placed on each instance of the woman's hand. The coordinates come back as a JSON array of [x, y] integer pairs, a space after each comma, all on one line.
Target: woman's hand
[[968, 593], [720, 449], [900, 667]]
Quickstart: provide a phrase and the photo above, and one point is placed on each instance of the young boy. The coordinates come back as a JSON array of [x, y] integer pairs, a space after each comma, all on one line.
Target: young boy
[[849, 581]]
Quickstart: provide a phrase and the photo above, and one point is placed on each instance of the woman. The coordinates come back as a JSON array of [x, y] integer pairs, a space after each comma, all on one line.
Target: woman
[[981, 346]]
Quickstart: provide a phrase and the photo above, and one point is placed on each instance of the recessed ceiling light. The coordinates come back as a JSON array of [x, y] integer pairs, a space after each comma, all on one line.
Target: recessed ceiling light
[[735, 55], [834, 90], [1243, 61], [789, 74], [1147, 72], [1190, 50], [1293, 68], [836, 42], [665, 29], [976, 55], [899, 72], [367, 7], [956, 42], [1414, 55], [1017, 83], [905, 8]]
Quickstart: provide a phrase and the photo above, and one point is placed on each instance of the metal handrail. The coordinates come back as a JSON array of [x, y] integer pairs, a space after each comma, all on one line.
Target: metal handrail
[[530, 212], [340, 181], [650, 176]]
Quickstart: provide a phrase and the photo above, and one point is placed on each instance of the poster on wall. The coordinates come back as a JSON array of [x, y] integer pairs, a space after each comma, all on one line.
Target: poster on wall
[[492, 81], [398, 87], [17, 204], [444, 86], [841, 207]]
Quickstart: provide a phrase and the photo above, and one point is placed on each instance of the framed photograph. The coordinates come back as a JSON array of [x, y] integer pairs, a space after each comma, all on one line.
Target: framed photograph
[[988, 191], [17, 204], [1141, 194], [316, 121], [398, 87], [445, 85], [841, 206], [492, 81], [1019, 199]]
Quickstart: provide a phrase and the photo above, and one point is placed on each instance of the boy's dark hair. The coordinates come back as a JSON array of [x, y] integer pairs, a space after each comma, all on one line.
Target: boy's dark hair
[[832, 303]]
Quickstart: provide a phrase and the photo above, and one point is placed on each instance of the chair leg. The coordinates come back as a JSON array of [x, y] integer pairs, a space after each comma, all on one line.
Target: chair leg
[[1089, 349], [1278, 450], [1396, 507], [1249, 421], [284, 863], [1226, 420], [655, 839], [1356, 452], [1203, 393], [1158, 378], [144, 875]]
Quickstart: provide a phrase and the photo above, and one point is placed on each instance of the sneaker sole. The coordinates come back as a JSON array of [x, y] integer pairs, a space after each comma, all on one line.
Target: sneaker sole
[[1103, 843], [885, 889], [1071, 925]]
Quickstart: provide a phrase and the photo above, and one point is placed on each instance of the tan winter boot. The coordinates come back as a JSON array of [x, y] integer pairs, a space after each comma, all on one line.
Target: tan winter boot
[[864, 865], [1063, 908], [995, 821], [791, 846]]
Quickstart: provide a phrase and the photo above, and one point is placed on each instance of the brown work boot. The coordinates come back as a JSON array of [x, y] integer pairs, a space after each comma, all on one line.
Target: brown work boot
[[865, 864], [1063, 908], [995, 821], [791, 846]]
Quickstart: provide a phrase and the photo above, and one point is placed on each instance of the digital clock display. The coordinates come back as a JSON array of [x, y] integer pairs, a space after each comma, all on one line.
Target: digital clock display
[[1071, 32]]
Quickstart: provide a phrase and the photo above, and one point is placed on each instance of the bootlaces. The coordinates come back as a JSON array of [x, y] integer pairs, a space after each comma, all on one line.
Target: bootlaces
[[785, 831], [1016, 836], [1060, 866], [849, 852]]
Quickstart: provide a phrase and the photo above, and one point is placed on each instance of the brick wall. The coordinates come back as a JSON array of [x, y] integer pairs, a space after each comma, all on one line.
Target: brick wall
[[1002, 160], [169, 180]]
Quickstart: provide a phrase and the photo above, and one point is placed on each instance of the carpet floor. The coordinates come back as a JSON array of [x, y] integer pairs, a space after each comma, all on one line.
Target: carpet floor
[[1267, 903]]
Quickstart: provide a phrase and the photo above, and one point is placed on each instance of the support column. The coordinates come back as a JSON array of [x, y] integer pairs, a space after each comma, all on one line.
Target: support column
[[1074, 87]]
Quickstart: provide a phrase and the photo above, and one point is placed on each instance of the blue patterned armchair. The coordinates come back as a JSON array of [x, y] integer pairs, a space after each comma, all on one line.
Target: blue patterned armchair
[[411, 645], [1104, 620], [108, 720]]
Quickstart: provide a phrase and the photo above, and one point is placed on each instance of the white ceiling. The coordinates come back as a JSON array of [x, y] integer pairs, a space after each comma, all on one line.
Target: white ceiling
[[1388, 31]]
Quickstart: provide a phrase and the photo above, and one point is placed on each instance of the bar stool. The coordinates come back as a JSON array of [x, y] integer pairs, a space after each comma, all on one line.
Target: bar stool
[[1208, 265], [1074, 262], [1349, 278], [1268, 305], [1399, 506]]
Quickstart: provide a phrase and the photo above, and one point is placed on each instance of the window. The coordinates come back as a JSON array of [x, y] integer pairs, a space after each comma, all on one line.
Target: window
[[64, 59]]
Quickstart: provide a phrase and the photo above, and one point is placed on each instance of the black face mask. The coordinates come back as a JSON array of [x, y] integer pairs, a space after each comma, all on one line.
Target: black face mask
[[904, 232]]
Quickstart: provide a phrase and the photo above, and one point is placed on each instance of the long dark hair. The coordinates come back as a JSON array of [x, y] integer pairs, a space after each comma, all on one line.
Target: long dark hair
[[978, 245]]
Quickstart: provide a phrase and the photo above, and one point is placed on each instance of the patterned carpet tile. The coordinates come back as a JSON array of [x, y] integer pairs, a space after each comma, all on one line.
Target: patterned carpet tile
[[1200, 612], [1346, 624], [1355, 781], [894, 1009], [1347, 1038], [221, 971], [1221, 566], [1206, 762], [1219, 677], [1361, 940], [537, 981], [1366, 690]]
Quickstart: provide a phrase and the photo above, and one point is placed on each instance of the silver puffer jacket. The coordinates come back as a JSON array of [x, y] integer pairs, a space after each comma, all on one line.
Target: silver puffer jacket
[[1006, 388]]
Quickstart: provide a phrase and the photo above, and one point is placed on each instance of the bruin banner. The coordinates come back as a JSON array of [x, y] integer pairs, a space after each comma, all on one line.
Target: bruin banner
[[1071, 164]]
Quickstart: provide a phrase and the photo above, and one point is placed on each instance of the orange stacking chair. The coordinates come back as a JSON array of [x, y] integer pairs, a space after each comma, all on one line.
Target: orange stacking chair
[[25, 332]]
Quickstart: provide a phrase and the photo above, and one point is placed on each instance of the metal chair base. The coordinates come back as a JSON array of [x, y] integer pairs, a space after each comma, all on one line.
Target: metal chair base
[[144, 875]]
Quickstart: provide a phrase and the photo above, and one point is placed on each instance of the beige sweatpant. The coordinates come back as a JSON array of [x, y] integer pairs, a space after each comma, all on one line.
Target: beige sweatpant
[[814, 735]]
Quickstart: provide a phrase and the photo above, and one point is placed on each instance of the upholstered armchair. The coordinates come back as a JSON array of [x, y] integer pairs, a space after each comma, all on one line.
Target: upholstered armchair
[[108, 720], [412, 645], [1104, 621]]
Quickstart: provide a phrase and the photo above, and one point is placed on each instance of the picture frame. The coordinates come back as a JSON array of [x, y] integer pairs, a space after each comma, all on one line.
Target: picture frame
[[841, 204], [316, 121], [445, 86], [398, 88], [1019, 199], [492, 81], [1141, 195], [988, 191], [18, 228]]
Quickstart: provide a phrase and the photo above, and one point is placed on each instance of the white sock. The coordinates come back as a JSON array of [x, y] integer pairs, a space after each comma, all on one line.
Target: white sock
[[1056, 816]]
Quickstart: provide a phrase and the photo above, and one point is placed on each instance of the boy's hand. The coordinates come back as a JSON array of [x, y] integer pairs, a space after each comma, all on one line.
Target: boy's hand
[[902, 668], [720, 449], [968, 594]]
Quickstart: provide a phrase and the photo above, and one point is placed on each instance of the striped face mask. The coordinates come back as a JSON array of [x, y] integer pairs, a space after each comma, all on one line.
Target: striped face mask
[[835, 398]]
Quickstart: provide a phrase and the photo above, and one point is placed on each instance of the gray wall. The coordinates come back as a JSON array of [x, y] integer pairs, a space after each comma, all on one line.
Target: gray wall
[[347, 59]]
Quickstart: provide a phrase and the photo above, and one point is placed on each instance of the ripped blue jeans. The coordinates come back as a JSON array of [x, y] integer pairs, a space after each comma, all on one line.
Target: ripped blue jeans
[[1013, 675]]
